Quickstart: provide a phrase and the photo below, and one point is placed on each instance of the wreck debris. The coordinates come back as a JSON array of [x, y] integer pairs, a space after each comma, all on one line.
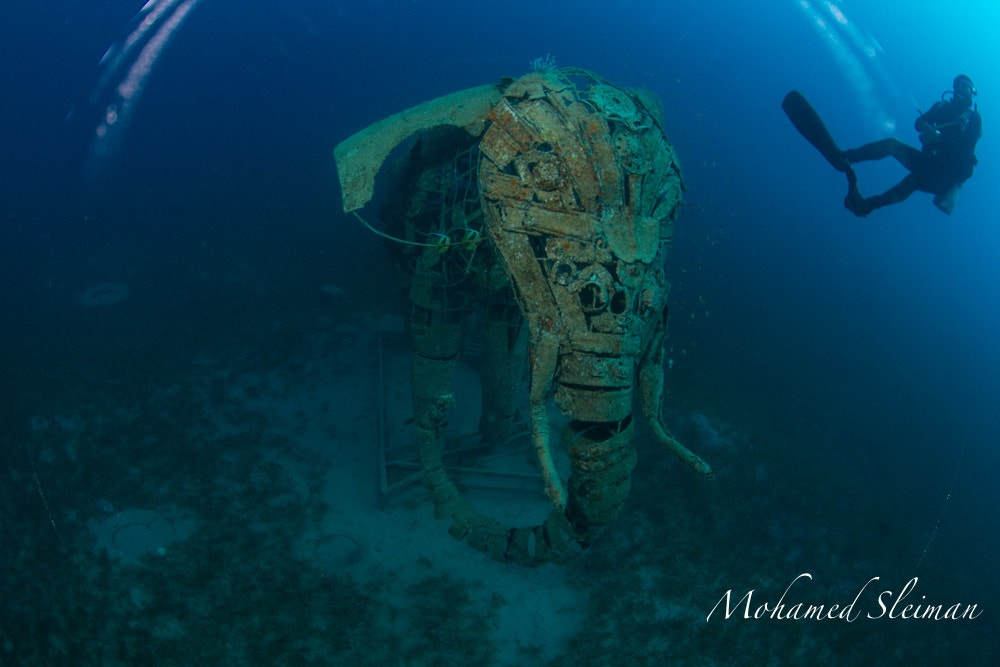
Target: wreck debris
[[556, 193]]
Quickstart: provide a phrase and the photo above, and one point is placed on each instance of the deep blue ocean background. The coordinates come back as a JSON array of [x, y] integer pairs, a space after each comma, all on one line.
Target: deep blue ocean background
[[848, 368]]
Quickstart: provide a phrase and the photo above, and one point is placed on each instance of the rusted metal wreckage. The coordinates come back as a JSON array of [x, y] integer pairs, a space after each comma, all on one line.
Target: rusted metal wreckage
[[545, 203]]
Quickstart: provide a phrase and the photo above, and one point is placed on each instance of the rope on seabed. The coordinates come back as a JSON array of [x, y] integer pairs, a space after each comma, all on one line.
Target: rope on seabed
[[947, 500], [45, 502]]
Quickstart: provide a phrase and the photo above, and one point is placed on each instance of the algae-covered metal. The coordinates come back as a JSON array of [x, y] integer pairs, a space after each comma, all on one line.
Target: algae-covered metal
[[556, 193], [361, 155]]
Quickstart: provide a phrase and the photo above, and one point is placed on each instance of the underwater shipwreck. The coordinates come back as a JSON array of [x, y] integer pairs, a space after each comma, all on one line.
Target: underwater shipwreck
[[542, 206]]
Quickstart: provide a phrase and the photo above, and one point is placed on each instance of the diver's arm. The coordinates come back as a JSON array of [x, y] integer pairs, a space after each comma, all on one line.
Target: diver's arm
[[927, 121], [972, 131], [975, 127]]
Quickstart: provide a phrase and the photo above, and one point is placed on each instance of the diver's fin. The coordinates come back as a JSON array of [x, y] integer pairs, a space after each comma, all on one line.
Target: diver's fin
[[810, 125]]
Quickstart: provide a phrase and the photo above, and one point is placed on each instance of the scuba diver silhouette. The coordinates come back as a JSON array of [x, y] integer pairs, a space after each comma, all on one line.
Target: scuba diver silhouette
[[948, 135]]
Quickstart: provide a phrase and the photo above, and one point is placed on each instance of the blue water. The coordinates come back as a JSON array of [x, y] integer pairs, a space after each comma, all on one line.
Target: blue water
[[849, 366]]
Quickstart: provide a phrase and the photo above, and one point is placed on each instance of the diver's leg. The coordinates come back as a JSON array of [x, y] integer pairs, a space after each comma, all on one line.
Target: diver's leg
[[862, 206], [877, 150], [896, 193], [854, 202]]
